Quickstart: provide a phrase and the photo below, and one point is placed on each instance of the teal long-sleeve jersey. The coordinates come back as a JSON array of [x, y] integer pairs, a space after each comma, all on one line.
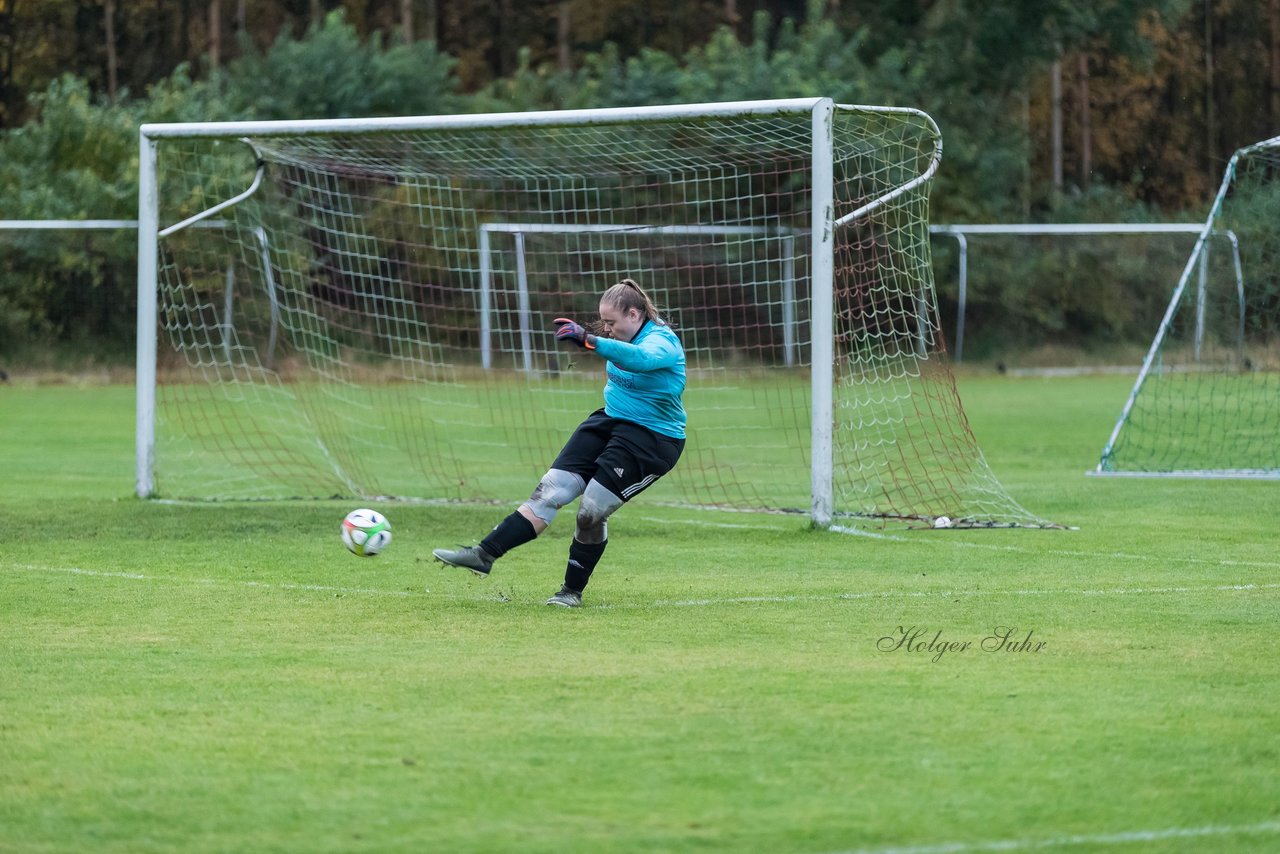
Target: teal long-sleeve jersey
[[645, 379]]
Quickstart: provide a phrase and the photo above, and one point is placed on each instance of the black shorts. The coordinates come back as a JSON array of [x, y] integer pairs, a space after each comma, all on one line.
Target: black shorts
[[621, 456]]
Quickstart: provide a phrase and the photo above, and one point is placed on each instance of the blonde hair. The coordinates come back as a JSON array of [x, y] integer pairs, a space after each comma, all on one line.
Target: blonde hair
[[627, 295]]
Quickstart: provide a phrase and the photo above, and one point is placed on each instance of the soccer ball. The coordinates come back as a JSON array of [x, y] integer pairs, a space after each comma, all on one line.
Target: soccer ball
[[366, 532], [942, 522]]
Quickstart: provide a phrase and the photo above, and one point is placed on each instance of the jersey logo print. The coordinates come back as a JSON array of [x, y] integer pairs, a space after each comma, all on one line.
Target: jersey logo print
[[618, 472]]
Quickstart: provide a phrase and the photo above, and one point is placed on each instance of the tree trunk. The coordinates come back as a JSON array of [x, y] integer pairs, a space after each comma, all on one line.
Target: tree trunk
[[1055, 118], [215, 33], [564, 52], [1275, 63], [508, 46], [430, 32], [1027, 148], [317, 14], [1086, 125], [1210, 120], [406, 21], [7, 41], [184, 34], [240, 16], [113, 59]]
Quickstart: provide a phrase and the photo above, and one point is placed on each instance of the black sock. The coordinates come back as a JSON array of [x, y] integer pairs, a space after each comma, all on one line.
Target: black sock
[[515, 530], [583, 558]]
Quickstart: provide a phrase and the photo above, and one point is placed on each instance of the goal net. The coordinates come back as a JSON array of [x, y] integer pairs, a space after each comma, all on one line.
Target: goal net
[[363, 307], [1206, 402]]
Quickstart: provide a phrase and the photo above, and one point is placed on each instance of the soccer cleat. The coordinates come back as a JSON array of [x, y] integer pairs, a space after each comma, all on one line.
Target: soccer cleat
[[567, 598], [473, 558]]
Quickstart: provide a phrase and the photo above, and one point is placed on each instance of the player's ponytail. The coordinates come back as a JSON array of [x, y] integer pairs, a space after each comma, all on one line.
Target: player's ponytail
[[627, 295]]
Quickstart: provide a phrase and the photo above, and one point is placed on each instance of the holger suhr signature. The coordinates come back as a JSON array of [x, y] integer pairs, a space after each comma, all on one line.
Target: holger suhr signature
[[916, 639]]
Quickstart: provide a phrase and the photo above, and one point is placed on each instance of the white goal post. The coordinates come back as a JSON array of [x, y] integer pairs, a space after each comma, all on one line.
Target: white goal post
[[386, 333]]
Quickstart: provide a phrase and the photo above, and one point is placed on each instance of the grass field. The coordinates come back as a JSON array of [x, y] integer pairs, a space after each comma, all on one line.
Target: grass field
[[185, 677]]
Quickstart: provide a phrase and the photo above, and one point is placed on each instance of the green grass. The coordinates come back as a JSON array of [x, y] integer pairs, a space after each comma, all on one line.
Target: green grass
[[185, 677]]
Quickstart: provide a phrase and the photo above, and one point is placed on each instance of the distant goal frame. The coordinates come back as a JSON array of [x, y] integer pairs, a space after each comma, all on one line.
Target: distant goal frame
[[1195, 269]]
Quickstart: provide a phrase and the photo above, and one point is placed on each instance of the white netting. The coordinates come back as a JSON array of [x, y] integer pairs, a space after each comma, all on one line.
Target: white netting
[[375, 318]]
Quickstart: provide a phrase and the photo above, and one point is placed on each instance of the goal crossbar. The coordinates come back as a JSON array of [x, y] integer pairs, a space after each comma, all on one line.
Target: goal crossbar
[[609, 115]]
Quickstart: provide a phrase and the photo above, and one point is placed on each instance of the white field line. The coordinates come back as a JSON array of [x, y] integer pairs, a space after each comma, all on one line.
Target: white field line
[[500, 595], [212, 582], [957, 594], [859, 532], [1091, 840], [704, 524], [942, 538], [1076, 553]]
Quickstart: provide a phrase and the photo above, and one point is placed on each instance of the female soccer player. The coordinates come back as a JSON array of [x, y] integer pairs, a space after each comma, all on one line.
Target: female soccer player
[[615, 454]]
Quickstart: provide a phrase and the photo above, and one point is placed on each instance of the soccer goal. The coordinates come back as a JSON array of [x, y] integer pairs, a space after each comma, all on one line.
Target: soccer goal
[[1206, 402], [363, 307]]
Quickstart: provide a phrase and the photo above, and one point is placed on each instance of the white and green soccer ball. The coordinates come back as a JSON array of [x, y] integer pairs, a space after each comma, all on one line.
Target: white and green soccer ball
[[366, 532]]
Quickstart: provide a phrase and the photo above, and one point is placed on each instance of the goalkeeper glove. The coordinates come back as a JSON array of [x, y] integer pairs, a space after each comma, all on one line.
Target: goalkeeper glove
[[567, 330]]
